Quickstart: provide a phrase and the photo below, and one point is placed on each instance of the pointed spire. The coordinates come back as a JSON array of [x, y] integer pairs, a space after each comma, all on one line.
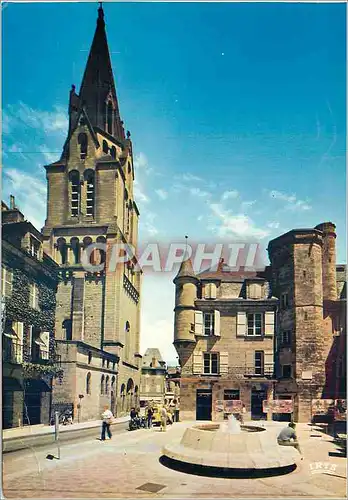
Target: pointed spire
[[186, 270], [98, 92]]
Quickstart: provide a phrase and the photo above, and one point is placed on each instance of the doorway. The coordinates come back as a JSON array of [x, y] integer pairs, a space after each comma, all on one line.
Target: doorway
[[203, 404], [32, 409], [257, 397]]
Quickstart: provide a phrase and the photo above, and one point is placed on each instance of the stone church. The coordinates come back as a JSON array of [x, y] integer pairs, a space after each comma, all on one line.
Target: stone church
[[90, 200]]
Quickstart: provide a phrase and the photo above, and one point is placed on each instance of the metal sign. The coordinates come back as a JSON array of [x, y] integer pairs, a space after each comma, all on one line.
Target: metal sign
[[277, 406], [233, 406]]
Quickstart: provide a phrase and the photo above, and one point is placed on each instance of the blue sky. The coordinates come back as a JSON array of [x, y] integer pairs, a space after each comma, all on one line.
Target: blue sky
[[237, 115]]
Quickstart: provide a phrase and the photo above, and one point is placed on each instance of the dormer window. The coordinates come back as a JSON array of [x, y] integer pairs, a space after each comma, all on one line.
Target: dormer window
[[34, 248], [109, 117], [83, 142]]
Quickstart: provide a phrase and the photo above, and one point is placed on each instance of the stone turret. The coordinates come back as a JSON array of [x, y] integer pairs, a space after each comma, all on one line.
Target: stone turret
[[185, 296], [328, 260]]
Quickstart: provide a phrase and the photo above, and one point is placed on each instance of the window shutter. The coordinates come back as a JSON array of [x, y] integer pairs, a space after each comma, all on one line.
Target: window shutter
[[250, 360], [269, 323], [241, 324], [197, 363], [198, 322], [217, 323], [224, 363], [44, 348], [212, 291], [268, 361], [18, 327], [207, 290]]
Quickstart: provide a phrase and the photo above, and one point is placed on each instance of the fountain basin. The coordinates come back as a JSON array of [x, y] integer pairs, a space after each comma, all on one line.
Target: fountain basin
[[253, 448]]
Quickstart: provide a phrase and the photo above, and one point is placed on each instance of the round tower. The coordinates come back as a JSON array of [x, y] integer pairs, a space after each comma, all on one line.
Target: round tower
[[184, 312], [329, 260]]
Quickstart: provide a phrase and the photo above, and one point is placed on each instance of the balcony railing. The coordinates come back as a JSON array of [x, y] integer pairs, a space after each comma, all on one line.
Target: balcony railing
[[13, 352]]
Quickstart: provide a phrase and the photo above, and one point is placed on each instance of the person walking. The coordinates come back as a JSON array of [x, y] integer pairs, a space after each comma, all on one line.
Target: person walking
[[288, 437], [164, 417], [149, 415], [107, 417]]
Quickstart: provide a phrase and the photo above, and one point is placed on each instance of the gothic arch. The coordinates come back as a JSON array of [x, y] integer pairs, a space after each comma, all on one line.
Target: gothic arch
[[83, 143], [75, 192]]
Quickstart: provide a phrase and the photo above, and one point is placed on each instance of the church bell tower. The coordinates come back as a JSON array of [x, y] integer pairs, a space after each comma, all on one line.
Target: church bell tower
[[90, 200]]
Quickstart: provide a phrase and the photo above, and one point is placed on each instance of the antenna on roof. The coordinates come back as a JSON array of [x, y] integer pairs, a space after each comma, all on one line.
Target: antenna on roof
[[186, 237]]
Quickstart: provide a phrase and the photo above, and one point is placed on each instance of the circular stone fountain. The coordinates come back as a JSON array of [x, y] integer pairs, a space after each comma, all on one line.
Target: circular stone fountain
[[230, 449]]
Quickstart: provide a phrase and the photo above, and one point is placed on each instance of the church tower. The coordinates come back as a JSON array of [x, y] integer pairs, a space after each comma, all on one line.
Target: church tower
[[90, 200]]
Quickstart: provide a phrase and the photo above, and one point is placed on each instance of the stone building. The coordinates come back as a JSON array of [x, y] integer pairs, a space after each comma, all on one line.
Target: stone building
[[310, 347], [90, 200], [173, 383], [153, 377], [28, 287], [224, 336]]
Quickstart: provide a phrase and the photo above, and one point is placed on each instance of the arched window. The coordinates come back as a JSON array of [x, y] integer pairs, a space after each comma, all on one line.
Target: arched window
[[102, 253], [63, 250], [88, 383], [105, 147], [123, 389], [89, 357], [102, 384], [87, 240], [83, 142], [67, 326], [113, 380], [109, 118], [113, 152], [107, 385], [127, 339], [75, 246], [89, 176], [74, 178]]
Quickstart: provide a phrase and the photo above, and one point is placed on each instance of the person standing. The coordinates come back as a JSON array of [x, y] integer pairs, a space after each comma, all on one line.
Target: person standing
[[164, 417], [107, 417], [149, 415]]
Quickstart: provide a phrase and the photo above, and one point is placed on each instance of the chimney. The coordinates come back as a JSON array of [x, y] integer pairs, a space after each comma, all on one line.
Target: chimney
[[154, 362], [12, 202]]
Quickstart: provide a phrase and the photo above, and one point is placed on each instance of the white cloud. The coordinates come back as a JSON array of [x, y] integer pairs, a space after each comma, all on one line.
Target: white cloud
[[247, 204], [273, 225], [199, 192], [148, 225], [292, 203], [162, 194], [50, 156], [140, 161], [227, 195], [239, 225], [30, 193], [139, 193], [187, 177], [21, 114]]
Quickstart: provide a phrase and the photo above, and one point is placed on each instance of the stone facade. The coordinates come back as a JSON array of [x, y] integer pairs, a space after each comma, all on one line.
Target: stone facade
[[153, 377], [311, 317], [28, 287], [224, 335], [90, 201]]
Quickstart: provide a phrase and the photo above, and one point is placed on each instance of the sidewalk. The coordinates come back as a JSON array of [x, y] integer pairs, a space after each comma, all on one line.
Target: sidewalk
[[41, 429]]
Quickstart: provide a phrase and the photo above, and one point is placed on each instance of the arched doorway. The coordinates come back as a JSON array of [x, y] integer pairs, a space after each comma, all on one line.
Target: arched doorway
[[130, 390]]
